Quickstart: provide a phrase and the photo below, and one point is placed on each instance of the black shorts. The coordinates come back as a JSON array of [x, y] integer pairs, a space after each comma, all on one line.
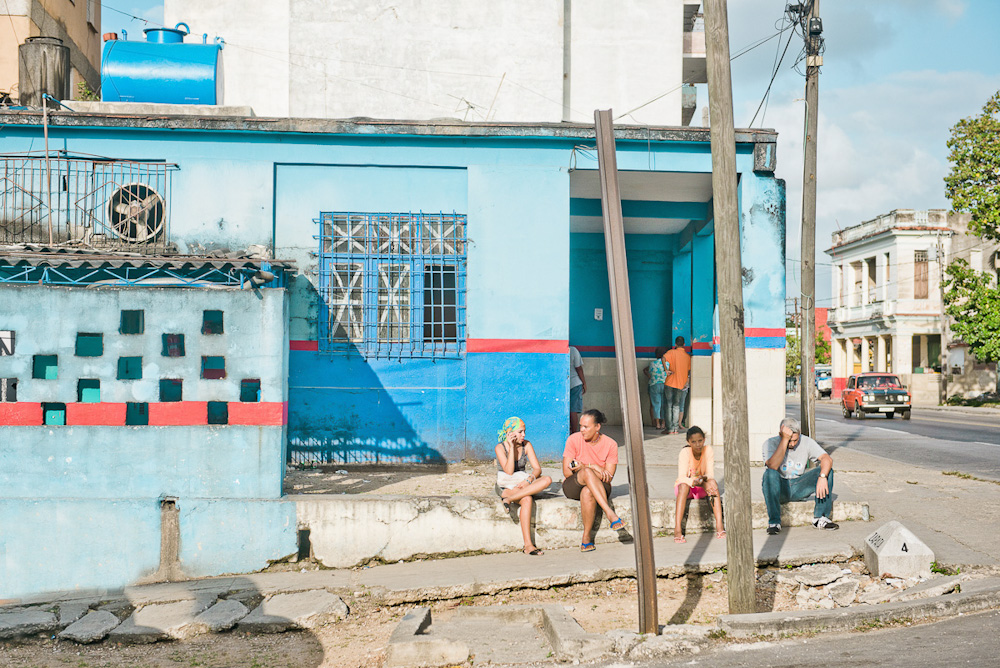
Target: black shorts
[[572, 488]]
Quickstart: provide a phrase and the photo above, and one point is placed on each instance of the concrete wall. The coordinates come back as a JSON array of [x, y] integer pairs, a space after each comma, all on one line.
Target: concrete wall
[[79, 503], [52, 18], [421, 59]]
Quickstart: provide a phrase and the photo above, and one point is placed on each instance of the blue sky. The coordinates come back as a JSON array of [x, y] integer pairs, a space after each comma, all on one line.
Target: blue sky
[[897, 75]]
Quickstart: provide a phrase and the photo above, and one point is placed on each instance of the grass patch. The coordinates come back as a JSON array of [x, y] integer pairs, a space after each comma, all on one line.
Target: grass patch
[[966, 476], [876, 624], [944, 570]]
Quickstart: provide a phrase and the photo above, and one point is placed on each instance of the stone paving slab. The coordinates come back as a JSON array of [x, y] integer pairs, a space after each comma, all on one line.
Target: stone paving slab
[[96, 625], [71, 612], [220, 617], [301, 610], [161, 621], [25, 622]]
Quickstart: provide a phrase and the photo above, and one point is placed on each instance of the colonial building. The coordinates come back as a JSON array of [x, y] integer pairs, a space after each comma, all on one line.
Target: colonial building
[[887, 292]]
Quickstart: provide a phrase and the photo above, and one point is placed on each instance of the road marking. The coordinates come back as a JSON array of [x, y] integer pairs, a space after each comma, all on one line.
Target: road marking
[[895, 431], [828, 420], [995, 445]]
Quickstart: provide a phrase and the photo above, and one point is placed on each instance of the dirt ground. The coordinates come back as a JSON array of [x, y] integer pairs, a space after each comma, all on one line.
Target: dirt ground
[[360, 640]]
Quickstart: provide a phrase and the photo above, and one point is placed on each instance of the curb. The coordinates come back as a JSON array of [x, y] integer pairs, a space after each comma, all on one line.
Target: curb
[[974, 597]]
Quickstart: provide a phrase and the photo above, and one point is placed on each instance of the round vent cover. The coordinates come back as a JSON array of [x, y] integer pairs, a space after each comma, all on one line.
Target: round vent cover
[[136, 213]]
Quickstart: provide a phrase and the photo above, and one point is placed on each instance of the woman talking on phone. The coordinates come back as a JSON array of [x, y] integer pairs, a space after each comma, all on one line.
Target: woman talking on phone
[[514, 483], [589, 463]]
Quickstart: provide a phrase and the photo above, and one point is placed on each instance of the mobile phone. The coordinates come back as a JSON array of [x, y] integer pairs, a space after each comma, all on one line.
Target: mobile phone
[[574, 464]]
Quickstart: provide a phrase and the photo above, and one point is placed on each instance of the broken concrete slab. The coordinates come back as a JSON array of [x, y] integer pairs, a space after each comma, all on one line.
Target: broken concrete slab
[[161, 621], [220, 617], [71, 612], [932, 587], [668, 645], [569, 641], [818, 575], [843, 591], [408, 647], [93, 627], [623, 641], [25, 622], [301, 610]]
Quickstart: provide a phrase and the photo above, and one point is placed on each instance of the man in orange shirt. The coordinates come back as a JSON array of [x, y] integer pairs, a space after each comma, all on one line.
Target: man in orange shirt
[[675, 388]]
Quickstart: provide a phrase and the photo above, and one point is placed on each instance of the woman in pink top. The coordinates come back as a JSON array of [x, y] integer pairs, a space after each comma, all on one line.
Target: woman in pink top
[[589, 463], [696, 480]]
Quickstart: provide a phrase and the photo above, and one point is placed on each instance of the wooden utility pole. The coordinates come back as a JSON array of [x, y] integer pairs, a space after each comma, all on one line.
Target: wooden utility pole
[[628, 376], [812, 27], [728, 267], [945, 327]]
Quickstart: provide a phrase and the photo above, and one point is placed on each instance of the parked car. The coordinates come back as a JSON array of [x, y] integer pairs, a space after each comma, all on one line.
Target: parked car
[[875, 392], [824, 380]]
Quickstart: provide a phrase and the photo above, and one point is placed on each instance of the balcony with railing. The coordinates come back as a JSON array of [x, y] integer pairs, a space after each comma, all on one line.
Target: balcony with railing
[[896, 219], [875, 310]]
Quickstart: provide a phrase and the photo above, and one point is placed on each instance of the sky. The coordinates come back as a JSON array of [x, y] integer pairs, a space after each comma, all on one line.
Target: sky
[[897, 75]]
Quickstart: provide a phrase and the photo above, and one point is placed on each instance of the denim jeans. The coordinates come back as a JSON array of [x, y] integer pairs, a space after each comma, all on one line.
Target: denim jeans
[[656, 399], [675, 404], [778, 490]]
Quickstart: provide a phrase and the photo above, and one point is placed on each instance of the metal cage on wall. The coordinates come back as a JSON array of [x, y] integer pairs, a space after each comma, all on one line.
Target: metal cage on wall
[[99, 202]]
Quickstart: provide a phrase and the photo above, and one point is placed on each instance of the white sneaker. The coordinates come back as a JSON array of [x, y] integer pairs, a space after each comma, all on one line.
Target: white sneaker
[[825, 523]]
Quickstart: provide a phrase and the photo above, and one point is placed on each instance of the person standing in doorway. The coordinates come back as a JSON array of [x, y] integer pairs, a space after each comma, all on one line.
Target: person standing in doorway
[[656, 372], [680, 365], [577, 388]]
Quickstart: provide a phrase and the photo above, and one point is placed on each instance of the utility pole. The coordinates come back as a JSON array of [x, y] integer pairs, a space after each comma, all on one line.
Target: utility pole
[[812, 27], [628, 377], [732, 332], [943, 394]]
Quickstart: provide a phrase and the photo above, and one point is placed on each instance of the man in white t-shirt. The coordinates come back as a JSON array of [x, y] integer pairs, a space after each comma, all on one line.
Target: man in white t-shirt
[[577, 387], [786, 477]]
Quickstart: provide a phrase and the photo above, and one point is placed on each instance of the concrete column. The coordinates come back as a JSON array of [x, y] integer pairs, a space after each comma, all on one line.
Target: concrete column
[[902, 354], [838, 362], [880, 354], [702, 308], [681, 320], [865, 345], [923, 351], [864, 282]]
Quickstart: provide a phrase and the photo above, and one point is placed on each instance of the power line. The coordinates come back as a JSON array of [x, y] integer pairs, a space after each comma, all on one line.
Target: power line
[[774, 74]]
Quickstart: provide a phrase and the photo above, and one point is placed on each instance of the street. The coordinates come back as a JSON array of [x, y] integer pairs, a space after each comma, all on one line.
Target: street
[[939, 440], [969, 640]]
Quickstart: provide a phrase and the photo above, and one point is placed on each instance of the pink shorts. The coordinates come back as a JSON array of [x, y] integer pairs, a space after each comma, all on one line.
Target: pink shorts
[[693, 493]]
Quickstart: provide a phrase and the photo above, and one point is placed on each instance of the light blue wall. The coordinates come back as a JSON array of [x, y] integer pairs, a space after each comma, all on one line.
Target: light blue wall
[[234, 536], [703, 296], [651, 289], [682, 302], [762, 220]]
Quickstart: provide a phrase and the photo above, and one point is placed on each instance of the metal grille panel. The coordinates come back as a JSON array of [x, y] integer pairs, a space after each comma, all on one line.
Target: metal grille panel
[[104, 203], [392, 284]]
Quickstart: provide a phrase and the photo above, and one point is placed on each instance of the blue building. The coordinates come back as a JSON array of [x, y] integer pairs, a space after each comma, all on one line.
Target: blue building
[[425, 280]]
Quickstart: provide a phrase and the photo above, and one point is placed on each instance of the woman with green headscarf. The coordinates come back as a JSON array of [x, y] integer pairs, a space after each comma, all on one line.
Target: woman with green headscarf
[[514, 483]]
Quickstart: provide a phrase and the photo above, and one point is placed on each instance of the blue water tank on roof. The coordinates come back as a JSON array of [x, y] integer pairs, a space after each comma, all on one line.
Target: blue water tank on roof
[[162, 69]]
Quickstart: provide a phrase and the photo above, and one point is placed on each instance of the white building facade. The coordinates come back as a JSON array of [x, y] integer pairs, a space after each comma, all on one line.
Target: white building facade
[[887, 296], [523, 60], [887, 307]]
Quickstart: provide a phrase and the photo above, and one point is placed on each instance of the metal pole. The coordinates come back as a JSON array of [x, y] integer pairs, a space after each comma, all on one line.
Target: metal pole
[[728, 262], [48, 169], [945, 330], [628, 376], [807, 343]]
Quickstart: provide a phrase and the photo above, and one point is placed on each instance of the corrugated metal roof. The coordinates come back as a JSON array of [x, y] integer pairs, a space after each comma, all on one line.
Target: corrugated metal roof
[[76, 256]]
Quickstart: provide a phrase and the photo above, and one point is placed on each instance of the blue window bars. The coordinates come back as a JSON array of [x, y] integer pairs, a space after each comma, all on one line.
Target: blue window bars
[[392, 284]]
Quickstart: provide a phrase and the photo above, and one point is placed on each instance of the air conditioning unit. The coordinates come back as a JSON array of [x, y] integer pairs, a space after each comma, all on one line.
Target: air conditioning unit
[[136, 213]]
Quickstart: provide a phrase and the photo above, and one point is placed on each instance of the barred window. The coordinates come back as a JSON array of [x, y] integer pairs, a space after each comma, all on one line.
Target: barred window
[[392, 284]]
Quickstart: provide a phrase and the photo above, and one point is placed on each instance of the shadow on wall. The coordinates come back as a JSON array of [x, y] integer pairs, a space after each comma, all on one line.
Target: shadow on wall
[[341, 412]]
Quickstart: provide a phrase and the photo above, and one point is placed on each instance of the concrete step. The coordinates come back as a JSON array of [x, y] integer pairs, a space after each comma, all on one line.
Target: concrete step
[[347, 531]]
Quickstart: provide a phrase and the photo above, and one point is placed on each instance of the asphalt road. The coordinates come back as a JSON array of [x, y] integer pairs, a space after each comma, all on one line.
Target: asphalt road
[[969, 640], [939, 440]]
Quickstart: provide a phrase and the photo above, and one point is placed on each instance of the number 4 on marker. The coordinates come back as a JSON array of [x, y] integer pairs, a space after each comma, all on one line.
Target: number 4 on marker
[[904, 548]]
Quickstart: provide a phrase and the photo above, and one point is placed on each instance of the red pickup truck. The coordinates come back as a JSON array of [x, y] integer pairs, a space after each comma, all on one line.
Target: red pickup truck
[[874, 392]]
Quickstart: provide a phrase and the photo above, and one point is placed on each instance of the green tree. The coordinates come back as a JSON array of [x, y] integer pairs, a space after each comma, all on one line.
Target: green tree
[[822, 349], [973, 302], [792, 355], [973, 186]]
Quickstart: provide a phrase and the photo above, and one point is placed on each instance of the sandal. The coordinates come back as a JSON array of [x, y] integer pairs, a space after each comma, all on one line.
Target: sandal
[[680, 539], [720, 534], [587, 547], [620, 525], [534, 553]]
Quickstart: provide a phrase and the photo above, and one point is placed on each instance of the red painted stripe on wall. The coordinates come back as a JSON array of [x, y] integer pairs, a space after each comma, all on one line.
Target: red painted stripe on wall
[[517, 346], [701, 346], [765, 331], [303, 345], [268, 413], [102, 414], [21, 413], [178, 413]]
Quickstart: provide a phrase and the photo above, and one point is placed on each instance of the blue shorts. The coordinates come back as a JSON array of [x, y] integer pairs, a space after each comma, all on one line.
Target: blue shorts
[[576, 399]]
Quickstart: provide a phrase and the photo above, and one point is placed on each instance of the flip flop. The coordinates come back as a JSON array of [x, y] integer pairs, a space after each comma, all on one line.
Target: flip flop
[[534, 553], [680, 539], [587, 547], [620, 523], [720, 534]]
